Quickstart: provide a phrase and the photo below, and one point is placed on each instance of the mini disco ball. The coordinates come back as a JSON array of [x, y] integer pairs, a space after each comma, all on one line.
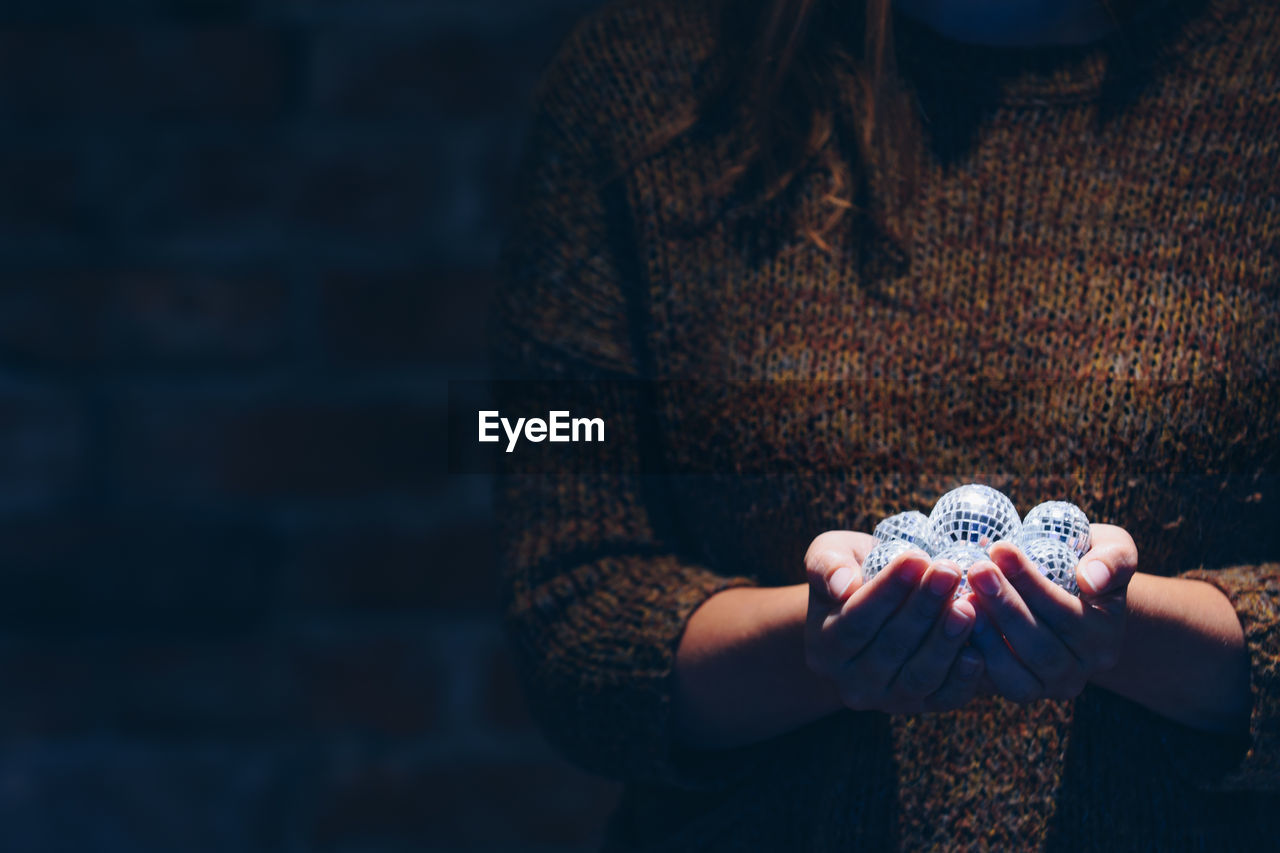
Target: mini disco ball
[[912, 527], [975, 513], [1056, 560], [964, 555], [881, 556], [1059, 520]]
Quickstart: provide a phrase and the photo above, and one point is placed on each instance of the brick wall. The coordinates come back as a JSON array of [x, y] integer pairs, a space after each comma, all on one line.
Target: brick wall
[[243, 246]]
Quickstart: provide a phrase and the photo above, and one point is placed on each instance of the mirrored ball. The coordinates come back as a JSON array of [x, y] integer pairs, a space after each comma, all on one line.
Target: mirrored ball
[[912, 527], [1056, 560], [964, 555], [1059, 520], [881, 556], [975, 513]]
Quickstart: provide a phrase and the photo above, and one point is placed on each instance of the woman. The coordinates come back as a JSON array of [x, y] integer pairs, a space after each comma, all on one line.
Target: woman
[[865, 254]]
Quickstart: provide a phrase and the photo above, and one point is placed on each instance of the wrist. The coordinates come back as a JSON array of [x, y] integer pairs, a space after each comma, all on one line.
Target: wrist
[[1183, 654], [740, 670]]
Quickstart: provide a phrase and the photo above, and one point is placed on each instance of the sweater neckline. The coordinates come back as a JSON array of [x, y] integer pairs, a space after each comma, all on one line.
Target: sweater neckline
[[1156, 32]]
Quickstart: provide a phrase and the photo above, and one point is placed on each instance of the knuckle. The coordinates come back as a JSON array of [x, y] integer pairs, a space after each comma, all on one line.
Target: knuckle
[[853, 696], [820, 544], [821, 540], [1043, 658], [914, 683], [833, 557], [853, 633], [967, 670], [1106, 658], [1000, 601], [950, 696], [925, 606], [891, 648], [1119, 554], [823, 563], [1068, 670]]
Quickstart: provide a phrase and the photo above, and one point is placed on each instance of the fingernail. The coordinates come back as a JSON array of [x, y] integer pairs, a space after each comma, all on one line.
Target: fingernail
[[1010, 565], [914, 569], [1097, 574], [985, 580], [957, 620], [839, 581], [942, 580], [969, 664]]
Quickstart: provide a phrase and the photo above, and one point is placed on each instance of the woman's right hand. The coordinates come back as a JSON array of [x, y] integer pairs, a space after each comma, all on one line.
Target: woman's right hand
[[896, 643]]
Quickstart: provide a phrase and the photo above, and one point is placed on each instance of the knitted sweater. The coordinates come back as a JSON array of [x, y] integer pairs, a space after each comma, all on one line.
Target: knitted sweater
[[1087, 311]]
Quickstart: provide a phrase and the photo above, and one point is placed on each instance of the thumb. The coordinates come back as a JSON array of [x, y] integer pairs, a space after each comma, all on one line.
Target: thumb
[[843, 582], [834, 566], [1106, 568]]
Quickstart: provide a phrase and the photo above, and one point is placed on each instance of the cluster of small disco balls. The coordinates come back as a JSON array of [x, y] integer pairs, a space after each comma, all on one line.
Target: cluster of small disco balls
[[968, 520]]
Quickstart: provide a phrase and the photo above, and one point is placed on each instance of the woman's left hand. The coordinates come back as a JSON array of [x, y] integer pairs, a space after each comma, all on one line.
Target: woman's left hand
[[1055, 641]]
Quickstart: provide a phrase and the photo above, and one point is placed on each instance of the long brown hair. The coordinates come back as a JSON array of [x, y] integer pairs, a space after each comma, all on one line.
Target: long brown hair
[[804, 84]]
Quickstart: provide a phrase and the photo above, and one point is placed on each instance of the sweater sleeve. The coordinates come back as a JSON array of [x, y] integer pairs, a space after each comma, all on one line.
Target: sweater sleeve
[[596, 591], [1221, 763]]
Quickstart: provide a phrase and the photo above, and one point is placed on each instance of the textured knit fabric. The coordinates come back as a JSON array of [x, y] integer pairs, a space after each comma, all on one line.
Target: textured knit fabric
[[1087, 311]]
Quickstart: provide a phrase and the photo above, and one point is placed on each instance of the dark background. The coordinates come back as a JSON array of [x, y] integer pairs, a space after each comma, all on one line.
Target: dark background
[[244, 245]]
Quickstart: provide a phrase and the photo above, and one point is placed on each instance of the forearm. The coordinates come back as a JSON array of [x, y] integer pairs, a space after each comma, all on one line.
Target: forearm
[[1184, 655], [740, 669]]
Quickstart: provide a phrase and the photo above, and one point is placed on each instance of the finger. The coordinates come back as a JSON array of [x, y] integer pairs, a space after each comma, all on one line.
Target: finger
[[1077, 624], [1059, 608], [858, 621], [832, 566], [985, 685], [833, 563], [1109, 534], [926, 670], [1006, 673], [821, 653], [1109, 564], [906, 629], [862, 543], [964, 680], [1031, 639]]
